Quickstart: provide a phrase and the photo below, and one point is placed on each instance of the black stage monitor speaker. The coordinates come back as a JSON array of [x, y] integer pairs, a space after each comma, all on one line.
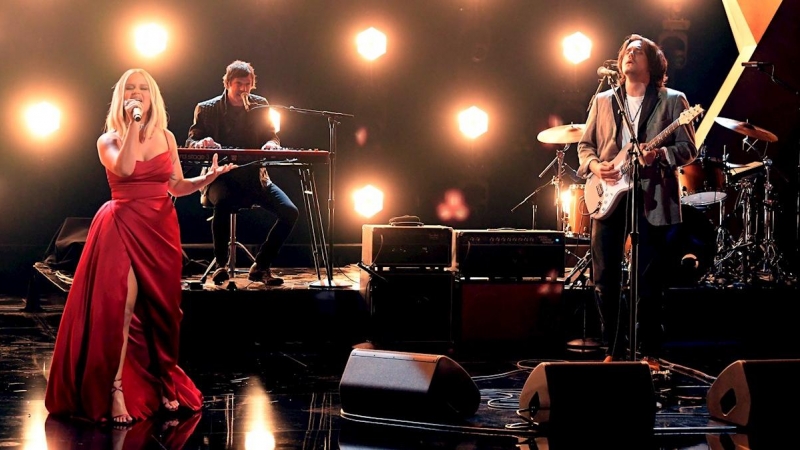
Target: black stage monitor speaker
[[590, 396], [757, 393], [67, 244], [379, 384]]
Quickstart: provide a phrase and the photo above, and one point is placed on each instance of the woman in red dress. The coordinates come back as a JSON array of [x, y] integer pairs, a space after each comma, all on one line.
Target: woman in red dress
[[116, 350]]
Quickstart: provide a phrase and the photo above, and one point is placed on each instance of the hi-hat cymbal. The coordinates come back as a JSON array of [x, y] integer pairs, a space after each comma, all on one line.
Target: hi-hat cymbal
[[747, 129], [563, 134]]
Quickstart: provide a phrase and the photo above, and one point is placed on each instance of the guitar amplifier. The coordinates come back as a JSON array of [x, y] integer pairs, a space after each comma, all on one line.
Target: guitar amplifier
[[424, 246], [509, 253]]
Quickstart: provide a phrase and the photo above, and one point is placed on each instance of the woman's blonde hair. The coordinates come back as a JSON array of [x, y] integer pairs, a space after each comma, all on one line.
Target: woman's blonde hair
[[155, 118]]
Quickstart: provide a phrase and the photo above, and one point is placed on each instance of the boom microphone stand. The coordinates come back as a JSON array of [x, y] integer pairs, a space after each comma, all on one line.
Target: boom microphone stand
[[332, 117], [530, 196], [555, 182], [633, 275], [332, 123]]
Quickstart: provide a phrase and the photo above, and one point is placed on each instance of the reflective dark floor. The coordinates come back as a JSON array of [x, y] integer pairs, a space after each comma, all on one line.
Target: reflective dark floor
[[269, 362]]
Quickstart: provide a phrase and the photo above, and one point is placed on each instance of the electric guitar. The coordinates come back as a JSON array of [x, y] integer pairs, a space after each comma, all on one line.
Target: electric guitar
[[600, 196]]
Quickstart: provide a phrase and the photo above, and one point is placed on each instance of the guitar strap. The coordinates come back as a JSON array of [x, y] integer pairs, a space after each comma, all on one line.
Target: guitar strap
[[618, 113], [650, 100]]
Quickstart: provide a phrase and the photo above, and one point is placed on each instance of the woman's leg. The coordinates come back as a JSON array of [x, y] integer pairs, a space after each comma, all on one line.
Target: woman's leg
[[119, 413]]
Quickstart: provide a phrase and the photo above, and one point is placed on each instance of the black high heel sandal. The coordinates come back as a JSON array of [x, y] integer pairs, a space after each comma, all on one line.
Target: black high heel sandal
[[120, 419]]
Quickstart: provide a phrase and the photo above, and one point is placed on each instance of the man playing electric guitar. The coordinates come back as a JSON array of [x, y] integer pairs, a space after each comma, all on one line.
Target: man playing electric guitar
[[602, 195], [652, 109]]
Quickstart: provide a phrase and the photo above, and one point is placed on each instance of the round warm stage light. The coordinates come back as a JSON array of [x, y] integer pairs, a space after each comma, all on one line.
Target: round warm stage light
[[151, 39], [473, 122], [577, 47], [43, 119], [371, 44], [368, 201]]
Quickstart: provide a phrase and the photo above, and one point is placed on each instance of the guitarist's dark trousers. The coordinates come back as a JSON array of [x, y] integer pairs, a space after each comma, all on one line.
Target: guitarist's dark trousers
[[610, 246]]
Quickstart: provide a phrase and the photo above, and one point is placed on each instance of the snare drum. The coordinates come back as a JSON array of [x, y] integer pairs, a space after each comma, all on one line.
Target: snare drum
[[702, 182], [577, 213]]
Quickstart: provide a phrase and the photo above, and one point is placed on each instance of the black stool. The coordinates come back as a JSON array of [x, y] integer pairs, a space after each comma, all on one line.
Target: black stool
[[233, 244]]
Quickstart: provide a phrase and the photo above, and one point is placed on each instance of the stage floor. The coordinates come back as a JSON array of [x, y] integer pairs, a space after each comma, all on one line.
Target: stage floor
[[269, 361]]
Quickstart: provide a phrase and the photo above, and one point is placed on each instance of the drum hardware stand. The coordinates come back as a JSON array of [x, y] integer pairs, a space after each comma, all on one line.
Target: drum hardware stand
[[727, 182], [770, 251], [769, 70], [724, 241], [577, 277], [734, 258], [768, 268], [722, 238], [555, 182]]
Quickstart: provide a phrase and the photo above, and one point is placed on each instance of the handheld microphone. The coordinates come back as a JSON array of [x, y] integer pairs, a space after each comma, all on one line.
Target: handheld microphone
[[606, 72], [137, 113], [756, 64]]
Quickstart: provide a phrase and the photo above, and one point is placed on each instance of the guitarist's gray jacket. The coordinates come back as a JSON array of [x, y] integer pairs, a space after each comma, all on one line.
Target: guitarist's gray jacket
[[659, 182]]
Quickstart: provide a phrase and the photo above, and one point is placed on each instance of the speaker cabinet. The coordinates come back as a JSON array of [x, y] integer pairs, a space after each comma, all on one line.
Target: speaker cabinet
[[756, 393], [503, 312], [590, 396], [379, 384], [409, 306]]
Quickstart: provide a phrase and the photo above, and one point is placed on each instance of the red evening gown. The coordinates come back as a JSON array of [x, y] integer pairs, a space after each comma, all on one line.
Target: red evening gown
[[137, 228]]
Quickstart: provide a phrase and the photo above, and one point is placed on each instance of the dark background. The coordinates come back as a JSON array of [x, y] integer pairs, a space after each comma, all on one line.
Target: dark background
[[443, 56]]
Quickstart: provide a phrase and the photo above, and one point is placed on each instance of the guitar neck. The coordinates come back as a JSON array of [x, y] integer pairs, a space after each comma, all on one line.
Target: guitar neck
[[656, 141]]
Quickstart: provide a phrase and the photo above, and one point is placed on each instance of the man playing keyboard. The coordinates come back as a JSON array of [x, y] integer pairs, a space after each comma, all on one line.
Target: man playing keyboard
[[232, 120]]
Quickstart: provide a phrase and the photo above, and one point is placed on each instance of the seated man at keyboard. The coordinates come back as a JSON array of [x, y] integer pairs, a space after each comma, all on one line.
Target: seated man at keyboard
[[233, 119]]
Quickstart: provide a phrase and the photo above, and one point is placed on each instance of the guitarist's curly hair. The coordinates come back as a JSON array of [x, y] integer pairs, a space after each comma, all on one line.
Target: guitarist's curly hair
[[655, 58]]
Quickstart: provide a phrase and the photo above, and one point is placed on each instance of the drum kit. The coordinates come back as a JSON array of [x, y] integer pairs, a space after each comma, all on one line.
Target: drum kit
[[572, 216], [719, 255], [753, 256], [568, 215]]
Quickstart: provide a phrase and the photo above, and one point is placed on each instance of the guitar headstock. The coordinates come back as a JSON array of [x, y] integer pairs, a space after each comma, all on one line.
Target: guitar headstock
[[687, 116]]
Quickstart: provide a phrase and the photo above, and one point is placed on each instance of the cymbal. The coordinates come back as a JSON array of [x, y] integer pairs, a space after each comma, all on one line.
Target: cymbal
[[563, 134], [747, 129]]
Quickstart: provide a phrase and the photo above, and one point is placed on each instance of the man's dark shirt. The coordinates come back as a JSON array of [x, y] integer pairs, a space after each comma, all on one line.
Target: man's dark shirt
[[233, 127]]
